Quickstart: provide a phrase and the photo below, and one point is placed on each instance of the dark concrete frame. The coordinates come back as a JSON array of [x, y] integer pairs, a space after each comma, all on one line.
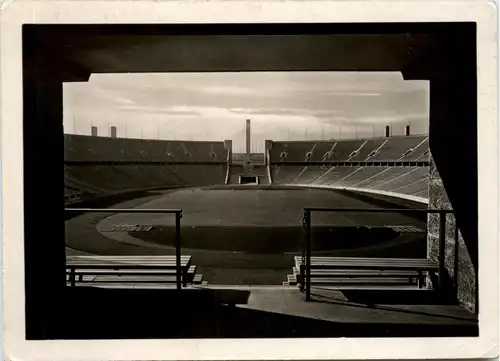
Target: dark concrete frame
[[443, 53]]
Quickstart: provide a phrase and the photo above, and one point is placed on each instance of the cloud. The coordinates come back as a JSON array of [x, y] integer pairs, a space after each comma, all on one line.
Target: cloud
[[160, 110], [215, 105]]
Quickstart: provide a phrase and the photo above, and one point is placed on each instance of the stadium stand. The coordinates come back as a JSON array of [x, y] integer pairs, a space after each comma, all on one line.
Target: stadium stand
[[395, 148], [86, 148], [93, 175], [285, 174], [405, 180]]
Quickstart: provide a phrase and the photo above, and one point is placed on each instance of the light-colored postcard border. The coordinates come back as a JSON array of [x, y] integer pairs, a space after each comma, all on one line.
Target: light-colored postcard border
[[15, 13]]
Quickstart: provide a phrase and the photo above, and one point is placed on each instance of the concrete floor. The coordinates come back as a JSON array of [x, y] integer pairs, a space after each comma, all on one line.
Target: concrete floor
[[353, 306]]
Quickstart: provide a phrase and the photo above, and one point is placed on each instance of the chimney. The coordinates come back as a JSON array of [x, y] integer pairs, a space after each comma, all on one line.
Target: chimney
[[407, 130], [113, 132], [94, 131], [387, 131]]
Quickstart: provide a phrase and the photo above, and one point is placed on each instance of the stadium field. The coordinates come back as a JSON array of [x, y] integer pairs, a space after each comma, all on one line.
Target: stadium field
[[247, 234]]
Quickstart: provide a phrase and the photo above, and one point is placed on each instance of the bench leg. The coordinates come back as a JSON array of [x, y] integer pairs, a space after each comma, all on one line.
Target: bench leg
[[301, 278], [421, 279], [72, 277]]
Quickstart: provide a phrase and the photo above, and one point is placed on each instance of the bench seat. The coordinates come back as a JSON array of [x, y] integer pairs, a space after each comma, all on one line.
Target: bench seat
[[164, 279], [131, 272], [316, 273], [121, 267], [292, 280], [357, 270], [370, 263]]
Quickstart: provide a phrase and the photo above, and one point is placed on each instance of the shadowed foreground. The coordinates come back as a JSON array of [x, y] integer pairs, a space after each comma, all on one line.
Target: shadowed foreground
[[253, 313]]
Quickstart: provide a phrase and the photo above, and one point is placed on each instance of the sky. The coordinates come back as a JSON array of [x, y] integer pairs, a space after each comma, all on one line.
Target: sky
[[214, 106]]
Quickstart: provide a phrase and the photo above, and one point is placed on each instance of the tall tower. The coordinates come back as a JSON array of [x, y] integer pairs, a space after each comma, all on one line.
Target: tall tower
[[248, 138]]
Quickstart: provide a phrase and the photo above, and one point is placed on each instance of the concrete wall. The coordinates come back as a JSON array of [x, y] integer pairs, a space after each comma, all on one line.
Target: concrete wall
[[466, 280], [449, 62]]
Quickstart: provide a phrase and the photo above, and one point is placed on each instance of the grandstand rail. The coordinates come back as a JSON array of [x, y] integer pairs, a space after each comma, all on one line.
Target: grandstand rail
[[138, 162], [357, 163], [306, 265], [178, 216]]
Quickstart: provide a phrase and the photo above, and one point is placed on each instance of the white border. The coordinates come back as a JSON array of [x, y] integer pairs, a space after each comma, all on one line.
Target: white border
[[245, 11]]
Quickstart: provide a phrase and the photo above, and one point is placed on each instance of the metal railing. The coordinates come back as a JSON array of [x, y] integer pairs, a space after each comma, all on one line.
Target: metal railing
[[306, 246], [178, 216]]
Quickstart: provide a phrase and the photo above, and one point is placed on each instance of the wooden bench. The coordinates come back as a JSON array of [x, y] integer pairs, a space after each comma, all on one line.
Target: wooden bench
[[345, 268], [346, 276], [129, 268]]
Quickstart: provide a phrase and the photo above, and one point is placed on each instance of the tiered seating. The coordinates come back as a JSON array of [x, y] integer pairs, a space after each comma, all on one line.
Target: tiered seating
[[420, 153], [343, 150], [415, 191], [309, 174], [285, 174], [357, 175], [333, 175], [405, 180], [395, 148], [382, 175], [97, 270], [103, 178], [117, 178], [321, 151], [295, 151], [407, 176], [362, 272], [86, 148], [367, 148]]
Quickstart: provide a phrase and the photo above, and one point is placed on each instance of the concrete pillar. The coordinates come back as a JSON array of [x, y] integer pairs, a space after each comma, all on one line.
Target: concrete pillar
[[43, 202], [93, 131], [113, 132], [453, 175], [453, 143]]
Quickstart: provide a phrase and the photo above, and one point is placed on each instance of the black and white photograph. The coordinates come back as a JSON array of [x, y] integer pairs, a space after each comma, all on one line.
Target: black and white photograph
[[249, 181]]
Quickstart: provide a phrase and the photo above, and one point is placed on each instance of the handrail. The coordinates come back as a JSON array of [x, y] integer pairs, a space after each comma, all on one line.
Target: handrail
[[123, 210], [89, 163], [353, 163], [377, 210], [306, 251], [178, 216]]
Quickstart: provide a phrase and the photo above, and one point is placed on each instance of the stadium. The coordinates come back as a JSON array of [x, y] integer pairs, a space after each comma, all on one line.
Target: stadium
[[242, 213], [249, 233]]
